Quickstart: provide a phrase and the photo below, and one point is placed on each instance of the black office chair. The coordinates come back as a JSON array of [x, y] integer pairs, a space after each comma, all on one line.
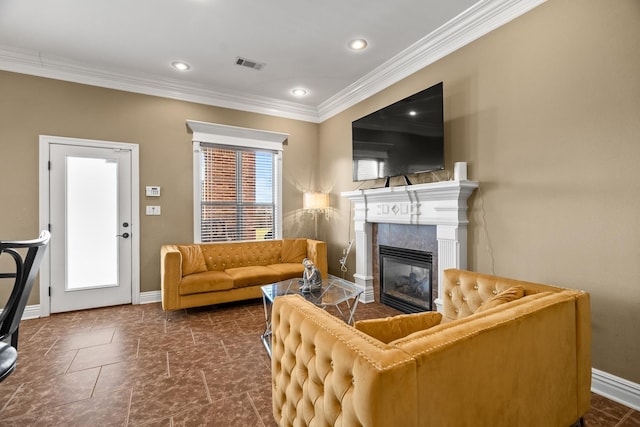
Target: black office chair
[[26, 270]]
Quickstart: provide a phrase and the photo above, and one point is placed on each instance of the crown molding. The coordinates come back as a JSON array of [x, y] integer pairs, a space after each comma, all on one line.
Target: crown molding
[[33, 63], [480, 19]]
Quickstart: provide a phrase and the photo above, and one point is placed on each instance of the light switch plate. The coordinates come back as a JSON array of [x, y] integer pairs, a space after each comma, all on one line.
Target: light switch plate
[[153, 210]]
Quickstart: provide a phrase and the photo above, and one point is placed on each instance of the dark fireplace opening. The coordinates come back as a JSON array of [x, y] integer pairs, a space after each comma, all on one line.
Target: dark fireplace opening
[[405, 279]]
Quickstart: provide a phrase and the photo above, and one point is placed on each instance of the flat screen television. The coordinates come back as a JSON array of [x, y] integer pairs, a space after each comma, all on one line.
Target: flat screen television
[[406, 137]]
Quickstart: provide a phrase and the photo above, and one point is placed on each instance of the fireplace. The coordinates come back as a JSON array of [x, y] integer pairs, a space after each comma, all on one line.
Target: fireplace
[[441, 204], [405, 278]]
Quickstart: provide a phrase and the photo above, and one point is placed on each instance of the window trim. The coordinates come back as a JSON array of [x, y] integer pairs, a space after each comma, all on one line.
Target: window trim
[[233, 136]]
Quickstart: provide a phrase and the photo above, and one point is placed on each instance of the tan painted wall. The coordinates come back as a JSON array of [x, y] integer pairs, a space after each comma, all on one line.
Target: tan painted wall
[[546, 111], [33, 106]]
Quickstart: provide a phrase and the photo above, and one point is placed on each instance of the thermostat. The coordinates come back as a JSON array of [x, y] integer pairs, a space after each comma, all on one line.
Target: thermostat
[[153, 191]]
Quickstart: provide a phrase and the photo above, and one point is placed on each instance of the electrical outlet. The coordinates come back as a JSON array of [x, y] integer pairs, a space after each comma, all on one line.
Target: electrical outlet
[[153, 210]]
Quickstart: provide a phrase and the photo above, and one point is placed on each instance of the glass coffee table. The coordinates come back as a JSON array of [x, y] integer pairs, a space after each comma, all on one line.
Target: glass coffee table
[[335, 293]]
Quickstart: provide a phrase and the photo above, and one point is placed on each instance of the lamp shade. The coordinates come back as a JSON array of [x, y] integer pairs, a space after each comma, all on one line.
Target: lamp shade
[[315, 201]]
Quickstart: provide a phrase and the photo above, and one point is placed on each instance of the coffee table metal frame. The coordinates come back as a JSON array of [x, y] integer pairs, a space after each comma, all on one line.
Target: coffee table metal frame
[[334, 292]]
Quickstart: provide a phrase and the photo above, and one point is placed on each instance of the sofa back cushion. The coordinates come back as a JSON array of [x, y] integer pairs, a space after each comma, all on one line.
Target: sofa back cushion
[[293, 250], [224, 255], [465, 291], [192, 259]]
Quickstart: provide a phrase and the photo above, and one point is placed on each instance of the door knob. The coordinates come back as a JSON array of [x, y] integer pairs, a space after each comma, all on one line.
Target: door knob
[[125, 235]]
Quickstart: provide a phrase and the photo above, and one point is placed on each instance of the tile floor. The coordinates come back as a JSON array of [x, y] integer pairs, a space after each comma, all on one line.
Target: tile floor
[[137, 365]]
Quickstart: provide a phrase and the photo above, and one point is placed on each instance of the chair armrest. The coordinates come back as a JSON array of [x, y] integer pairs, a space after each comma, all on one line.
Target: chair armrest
[[323, 369], [317, 253], [170, 276]]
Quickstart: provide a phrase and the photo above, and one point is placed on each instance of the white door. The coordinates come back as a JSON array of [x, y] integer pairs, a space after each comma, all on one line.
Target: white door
[[90, 216]]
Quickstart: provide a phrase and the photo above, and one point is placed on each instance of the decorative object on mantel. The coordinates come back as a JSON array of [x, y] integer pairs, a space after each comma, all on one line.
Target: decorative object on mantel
[[443, 204], [311, 278], [460, 171], [316, 203]]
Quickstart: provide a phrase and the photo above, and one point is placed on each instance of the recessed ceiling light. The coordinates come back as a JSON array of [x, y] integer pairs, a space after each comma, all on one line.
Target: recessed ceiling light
[[358, 44], [182, 66], [412, 113], [299, 92]]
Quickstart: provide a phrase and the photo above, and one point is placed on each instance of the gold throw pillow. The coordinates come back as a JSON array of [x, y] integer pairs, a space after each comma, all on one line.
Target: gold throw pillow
[[392, 328], [192, 259], [294, 250], [511, 294]]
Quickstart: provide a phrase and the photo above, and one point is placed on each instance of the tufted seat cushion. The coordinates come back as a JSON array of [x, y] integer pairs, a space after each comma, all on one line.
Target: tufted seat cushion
[[255, 275], [288, 270], [205, 282]]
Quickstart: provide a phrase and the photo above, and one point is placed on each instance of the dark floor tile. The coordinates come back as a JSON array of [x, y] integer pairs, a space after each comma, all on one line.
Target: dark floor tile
[[237, 377], [81, 340], [243, 346], [132, 373], [164, 397], [40, 367], [234, 411], [55, 391], [205, 356], [204, 334], [105, 354], [137, 330], [261, 398], [103, 410], [598, 418], [615, 409], [632, 420], [150, 344], [198, 323]]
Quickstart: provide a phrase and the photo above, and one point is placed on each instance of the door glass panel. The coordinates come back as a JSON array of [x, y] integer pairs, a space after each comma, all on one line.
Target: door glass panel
[[92, 223]]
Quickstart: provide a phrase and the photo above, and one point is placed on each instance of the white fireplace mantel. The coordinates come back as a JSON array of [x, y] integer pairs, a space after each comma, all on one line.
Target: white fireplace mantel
[[443, 204]]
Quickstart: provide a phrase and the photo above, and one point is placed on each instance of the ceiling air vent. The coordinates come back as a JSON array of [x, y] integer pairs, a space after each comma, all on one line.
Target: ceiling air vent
[[255, 65]]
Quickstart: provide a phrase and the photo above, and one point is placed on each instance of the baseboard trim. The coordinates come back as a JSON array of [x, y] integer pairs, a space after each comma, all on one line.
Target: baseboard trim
[[615, 388], [150, 297], [31, 312]]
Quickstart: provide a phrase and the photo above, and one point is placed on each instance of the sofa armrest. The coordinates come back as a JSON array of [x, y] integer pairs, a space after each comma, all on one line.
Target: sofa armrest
[[170, 276], [325, 372], [317, 253]]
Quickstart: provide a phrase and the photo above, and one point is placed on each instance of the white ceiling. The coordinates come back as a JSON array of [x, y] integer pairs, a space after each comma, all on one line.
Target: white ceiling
[[130, 44]]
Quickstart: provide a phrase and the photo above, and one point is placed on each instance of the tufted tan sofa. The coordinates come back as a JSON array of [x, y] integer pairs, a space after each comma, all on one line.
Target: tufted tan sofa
[[212, 273], [521, 363]]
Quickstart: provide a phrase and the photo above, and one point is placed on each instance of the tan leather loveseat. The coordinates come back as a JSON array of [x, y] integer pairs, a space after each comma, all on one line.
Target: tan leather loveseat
[[520, 363], [211, 273]]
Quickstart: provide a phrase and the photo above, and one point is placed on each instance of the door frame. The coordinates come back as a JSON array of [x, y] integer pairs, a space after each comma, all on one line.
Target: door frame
[[44, 214]]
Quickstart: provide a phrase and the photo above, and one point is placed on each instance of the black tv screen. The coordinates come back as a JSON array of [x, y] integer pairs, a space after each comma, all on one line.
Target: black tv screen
[[406, 137]]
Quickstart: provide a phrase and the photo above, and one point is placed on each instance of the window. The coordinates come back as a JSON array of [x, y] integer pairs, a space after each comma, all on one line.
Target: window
[[237, 183], [237, 194]]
